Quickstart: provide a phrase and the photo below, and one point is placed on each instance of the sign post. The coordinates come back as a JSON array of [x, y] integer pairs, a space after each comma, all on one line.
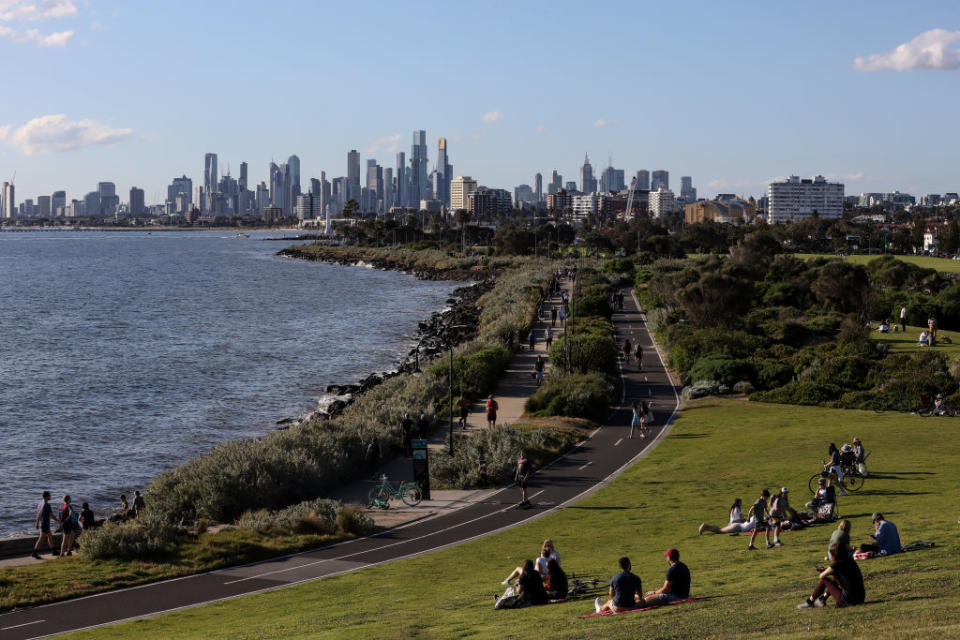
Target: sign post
[[421, 466]]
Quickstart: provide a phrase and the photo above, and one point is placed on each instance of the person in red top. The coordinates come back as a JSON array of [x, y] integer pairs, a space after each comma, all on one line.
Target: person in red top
[[492, 408]]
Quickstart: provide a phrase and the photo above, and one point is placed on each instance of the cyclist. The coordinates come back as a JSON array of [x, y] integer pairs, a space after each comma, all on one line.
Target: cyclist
[[835, 468], [635, 420], [521, 475]]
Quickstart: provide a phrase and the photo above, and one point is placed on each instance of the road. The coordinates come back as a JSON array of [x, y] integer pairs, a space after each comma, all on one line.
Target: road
[[589, 466]]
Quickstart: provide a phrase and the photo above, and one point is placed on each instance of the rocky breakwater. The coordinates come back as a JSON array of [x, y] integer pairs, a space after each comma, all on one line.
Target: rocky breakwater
[[457, 323], [449, 268]]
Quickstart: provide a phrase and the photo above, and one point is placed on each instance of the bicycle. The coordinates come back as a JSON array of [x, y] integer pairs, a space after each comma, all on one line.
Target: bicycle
[[583, 586], [380, 495], [852, 479]]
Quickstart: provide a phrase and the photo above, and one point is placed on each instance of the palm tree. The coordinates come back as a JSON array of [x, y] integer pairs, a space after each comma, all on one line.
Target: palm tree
[[462, 216]]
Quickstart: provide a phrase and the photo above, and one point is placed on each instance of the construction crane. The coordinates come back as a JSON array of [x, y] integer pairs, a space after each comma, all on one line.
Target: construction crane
[[627, 214]]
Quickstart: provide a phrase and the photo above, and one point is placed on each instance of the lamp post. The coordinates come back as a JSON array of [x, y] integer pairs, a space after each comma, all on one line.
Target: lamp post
[[445, 334]]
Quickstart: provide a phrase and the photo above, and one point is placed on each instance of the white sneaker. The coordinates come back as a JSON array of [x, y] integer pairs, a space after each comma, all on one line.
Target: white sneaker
[[506, 582], [597, 605]]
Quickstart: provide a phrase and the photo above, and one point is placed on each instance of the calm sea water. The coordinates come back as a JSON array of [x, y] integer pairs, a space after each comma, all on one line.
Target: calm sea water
[[122, 354]]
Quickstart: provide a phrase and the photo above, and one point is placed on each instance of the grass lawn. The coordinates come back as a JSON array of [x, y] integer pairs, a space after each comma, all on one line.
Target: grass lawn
[[927, 262], [719, 449], [907, 342]]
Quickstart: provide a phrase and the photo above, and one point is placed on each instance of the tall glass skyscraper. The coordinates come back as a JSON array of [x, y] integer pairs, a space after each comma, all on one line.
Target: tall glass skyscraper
[[418, 167]]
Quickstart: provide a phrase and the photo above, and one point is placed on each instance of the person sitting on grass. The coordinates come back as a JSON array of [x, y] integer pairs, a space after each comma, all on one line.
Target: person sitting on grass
[[677, 585], [842, 581], [737, 522], [530, 584], [759, 513], [924, 340], [886, 535], [839, 537], [555, 582], [547, 553], [824, 503], [626, 590]]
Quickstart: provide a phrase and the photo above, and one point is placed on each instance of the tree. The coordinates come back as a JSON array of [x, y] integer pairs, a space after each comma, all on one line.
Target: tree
[[350, 208], [949, 240]]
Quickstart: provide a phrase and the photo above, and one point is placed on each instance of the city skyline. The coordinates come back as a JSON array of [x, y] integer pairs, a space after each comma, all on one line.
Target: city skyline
[[737, 113]]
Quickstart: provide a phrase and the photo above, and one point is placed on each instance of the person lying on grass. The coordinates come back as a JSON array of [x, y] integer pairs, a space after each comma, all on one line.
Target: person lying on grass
[[626, 590], [842, 581], [737, 522], [677, 585]]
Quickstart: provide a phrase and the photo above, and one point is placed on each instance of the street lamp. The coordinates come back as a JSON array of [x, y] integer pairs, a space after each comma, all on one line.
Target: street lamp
[[445, 334]]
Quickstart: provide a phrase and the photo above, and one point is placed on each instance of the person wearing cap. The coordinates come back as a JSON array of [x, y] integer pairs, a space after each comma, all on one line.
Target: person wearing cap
[[886, 535], [861, 457], [676, 586]]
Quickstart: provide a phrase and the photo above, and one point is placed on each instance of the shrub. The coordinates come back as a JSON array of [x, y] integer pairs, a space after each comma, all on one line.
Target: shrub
[[773, 375], [701, 389], [588, 353], [477, 373], [145, 537], [743, 387], [689, 345], [575, 395], [801, 392], [593, 304], [618, 265], [726, 371], [355, 520]]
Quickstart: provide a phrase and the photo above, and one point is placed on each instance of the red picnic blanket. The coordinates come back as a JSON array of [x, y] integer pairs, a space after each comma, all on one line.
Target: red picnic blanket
[[653, 606]]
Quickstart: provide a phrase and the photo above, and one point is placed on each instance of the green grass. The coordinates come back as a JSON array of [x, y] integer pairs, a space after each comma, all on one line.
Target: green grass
[[927, 262], [907, 342], [718, 450]]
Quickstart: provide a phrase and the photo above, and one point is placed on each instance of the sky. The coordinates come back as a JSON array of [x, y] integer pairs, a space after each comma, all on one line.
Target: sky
[[732, 94]]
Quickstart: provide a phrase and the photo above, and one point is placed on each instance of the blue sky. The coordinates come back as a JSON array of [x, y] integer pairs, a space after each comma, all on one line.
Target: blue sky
[[733, 94]]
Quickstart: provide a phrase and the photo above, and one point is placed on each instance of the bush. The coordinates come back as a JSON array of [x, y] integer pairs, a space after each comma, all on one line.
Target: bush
[[701, 389], [743, 387], [618, 265], [353, 519], [477, 373], [145, 537], [588, 354], [801, 392], [773, 375], [726, 371], [594, 304], [574, 395]]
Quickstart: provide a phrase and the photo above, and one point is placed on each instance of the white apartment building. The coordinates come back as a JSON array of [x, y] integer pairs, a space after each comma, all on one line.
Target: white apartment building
[[794, 199], [584, 207], [662, 201], [461, 188]]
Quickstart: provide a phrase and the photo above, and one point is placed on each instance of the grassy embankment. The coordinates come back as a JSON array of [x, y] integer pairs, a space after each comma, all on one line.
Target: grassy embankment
[[927, 262], [719, 449]]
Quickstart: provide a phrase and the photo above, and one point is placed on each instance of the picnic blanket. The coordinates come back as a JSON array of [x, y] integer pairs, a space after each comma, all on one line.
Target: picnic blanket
[[653, 606]]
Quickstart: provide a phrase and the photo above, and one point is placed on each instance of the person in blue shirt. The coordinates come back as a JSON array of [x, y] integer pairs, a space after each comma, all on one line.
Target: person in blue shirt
[[677, 585], [887, 537], [625, 591]]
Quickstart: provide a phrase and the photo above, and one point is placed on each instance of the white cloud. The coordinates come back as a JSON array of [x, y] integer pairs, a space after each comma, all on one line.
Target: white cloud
[[492, 116], [603, 122], [22, 11], [54, 133], [386, 144], [929, 50]]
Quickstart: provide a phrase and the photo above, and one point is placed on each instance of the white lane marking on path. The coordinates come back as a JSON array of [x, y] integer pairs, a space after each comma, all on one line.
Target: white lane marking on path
[[25, 624], [386, 546], [617, 443], [586, 465]]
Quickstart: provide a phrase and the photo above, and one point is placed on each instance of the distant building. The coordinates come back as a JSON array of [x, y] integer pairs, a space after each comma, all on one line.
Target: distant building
[[461, 188], [9, 203], [490, 202], [660, 178], [210, 178], [687, 190], [538, 187], [643, 180], [418, 167], [584, 207], [611, 180], [524, 194], [444, 174], [58, 203], [91, 204], [43, 206], [308, 207], [431, 205], [559, 201], [556, 183], [272, 213], [137, 204], [588, 184], [794, 199], [662, 201], [726, 211]]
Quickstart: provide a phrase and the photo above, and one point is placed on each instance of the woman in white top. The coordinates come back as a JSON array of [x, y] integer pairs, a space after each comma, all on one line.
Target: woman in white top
[[737, 523], [547, 553]]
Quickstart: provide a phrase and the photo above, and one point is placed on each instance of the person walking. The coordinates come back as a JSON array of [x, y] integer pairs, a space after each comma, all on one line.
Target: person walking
[[532, 339], [903, 318], [68, 524], [44, 515], [538, 370], [635, 419], [522, 475], [464, 406], [626, 350], [639, 354], [492, 408], [553, 317], [548, 338]]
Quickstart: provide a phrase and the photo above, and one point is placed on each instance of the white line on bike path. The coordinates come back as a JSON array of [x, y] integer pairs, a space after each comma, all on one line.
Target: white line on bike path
[[25, 624], [586, 465], [617, 443]]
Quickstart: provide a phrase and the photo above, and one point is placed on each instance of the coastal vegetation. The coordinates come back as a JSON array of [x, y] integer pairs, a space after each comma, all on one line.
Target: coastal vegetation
[[708, 459], [796, 331]]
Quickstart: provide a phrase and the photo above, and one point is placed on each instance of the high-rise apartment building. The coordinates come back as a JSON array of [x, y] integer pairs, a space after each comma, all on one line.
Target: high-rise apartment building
[[662, 201], [538, 187], [418, 166], [660, 178], [210, 178], [611, 179], [9, 203], [389, 198], [643, 180], [461, 188], [308, 207], [441, 189], [588, 184], [58, 203], [292, 183], [795, 199], [43, 206], [137, 202]]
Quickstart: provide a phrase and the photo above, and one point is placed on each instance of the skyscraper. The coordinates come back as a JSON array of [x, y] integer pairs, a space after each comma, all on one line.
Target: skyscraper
[[403, 190], [687, 192], [137, 204], [660, 178], [353, 177], [180, 195], [8, 200], [43, 206], [58, 203], [588, 183], [556, 183], [441, 191], [276, 184], [374, 187], [293, 185], [643, 180], [461, 188], [538, 187], [388, 193], [243, 176], [418, 167], [210, 172]]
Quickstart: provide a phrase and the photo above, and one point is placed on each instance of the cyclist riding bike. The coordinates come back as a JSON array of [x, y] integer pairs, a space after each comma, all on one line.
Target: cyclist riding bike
[[940, 407]]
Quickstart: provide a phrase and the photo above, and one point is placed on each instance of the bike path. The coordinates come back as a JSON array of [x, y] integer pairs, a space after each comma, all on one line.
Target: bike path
[[581, 471]]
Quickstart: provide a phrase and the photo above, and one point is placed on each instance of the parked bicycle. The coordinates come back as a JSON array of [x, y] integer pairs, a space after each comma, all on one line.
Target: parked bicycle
[[408, 492], [852, 479]]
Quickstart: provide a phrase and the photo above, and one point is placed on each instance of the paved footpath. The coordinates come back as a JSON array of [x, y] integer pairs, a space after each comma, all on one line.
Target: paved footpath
[[582, 471]]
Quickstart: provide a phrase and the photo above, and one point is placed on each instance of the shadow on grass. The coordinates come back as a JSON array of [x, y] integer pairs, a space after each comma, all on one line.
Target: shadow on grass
[[895, 475], [687, 435], [602, 508], [887, 492]]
